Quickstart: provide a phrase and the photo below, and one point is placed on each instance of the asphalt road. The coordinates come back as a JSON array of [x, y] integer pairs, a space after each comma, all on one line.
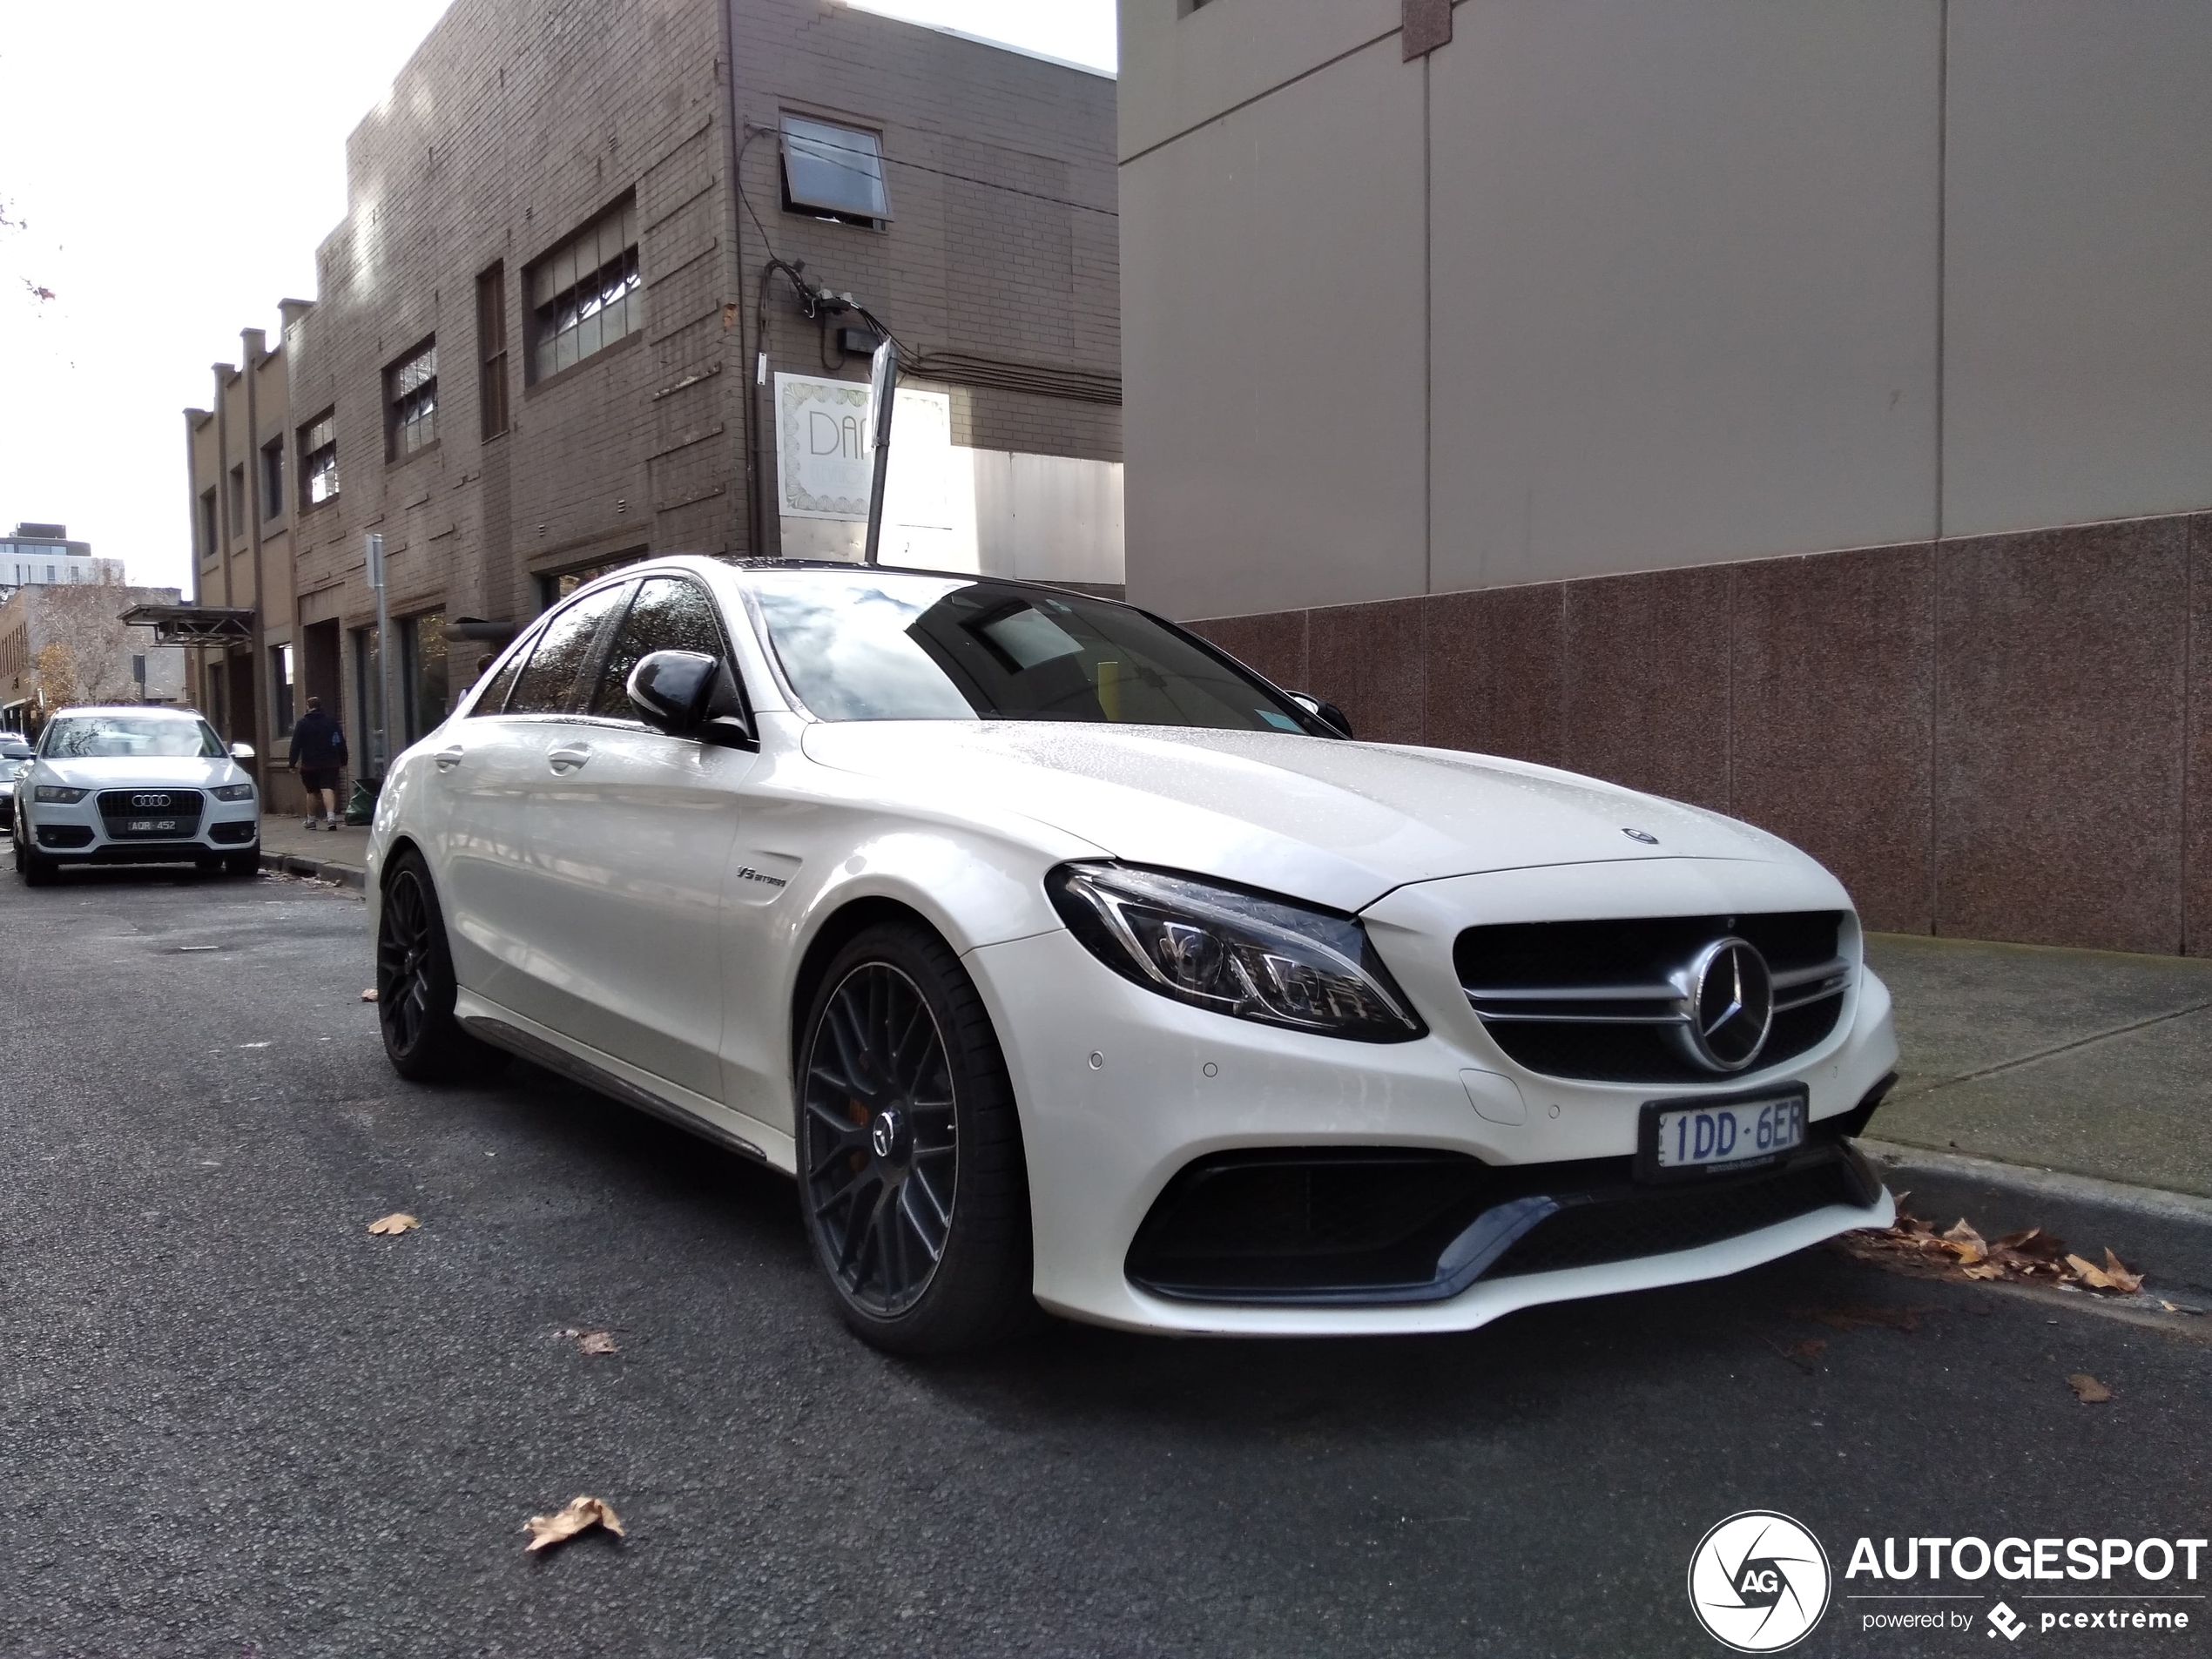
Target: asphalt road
[[233, 1423]]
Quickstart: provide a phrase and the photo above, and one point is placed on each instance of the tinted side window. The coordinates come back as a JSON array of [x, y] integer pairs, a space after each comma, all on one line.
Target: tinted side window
[[668, 614], [494, 699], [548, 685]]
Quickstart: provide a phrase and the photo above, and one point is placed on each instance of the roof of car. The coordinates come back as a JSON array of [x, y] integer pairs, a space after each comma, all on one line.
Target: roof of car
[[846, 567], [157, 710]]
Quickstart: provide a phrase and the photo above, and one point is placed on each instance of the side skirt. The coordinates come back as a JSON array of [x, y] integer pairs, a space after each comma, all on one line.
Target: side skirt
[[503, 1033]]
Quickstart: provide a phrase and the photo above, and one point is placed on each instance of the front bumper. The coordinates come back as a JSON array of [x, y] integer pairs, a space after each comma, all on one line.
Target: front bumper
[[1121, 1091], [75, 833]]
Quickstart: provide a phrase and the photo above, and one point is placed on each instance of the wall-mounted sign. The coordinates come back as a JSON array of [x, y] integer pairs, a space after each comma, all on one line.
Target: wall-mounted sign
[[824, 465]]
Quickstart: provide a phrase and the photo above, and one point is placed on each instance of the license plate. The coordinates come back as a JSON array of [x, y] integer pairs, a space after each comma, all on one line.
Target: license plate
[[151, 826], [1722, 1133]]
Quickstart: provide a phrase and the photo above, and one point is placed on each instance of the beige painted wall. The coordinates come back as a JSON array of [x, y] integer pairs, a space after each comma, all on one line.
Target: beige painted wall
[[1611, 285]]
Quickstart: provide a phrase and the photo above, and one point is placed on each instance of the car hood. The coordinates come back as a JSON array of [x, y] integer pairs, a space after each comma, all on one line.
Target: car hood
[[1337, 823], [151, 772]]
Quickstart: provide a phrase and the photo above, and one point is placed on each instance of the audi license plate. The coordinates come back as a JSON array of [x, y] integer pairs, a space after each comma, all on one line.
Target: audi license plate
[[152, 827], [1682, 1138]]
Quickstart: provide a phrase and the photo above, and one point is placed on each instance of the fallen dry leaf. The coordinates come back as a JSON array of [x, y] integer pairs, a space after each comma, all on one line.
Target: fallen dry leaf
[[1810, 1348], [393, 1225], [1966, 1243], [369, 995], [2087, 1389], [596, 1342], [577, 1514], [2031, 1256]]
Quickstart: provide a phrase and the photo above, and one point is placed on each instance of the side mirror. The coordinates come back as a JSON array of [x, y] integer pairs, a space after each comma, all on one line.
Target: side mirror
[[241, 752], [1328, 712], [687, 694]]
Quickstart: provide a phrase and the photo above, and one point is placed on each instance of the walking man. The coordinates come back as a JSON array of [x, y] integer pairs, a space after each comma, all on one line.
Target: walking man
[[318, 753]]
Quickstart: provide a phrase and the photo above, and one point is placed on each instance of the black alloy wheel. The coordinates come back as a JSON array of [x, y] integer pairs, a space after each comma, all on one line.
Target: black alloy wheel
[[912, 1178], [416, 986]]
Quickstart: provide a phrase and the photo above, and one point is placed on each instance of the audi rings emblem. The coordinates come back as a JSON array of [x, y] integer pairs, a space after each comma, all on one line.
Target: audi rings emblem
[[1728, 999], [142, 801]]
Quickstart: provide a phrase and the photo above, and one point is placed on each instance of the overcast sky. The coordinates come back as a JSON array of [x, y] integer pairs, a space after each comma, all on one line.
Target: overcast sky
[[172, 165]]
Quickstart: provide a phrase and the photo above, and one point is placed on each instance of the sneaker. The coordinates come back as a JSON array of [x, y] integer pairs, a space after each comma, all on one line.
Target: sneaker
[[306, 823]]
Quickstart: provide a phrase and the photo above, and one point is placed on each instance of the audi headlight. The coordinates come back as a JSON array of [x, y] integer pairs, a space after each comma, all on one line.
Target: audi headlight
[[57, 792], [1247, 954], [234, 791]]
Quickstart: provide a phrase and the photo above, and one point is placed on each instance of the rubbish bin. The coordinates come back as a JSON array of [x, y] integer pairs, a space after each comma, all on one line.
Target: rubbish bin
[[362, 806]]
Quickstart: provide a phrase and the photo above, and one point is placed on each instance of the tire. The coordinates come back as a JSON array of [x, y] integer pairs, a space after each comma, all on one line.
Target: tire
[[903, 1103], [241, 865], [37, 870], [415, 986]]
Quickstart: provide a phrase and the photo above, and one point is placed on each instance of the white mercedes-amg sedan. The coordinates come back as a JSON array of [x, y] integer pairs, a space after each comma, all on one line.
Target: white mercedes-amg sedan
[[135, 785], [1065, 961]]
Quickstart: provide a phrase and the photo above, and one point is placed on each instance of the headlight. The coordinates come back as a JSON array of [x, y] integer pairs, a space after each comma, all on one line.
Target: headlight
[[1247, 954], [234, 791], [55, 792]]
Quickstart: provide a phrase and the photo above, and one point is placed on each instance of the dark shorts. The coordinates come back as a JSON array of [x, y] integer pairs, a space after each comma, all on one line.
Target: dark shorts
[[319, 777]]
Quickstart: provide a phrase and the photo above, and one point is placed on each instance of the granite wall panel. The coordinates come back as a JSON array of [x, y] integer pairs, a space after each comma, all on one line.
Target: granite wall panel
[[1647, 681], [1831, 730], [2059, 735], [2007, 736], [1496, 675], [1371, 661], [2196, 801]]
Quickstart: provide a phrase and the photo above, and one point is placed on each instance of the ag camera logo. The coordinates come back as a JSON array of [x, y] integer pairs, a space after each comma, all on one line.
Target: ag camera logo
[[1759, 1581]]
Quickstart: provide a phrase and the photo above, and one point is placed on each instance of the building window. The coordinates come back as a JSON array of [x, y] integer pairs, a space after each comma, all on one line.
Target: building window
[[491, 349], [208, 541], [280, 671], [319, 460], [272, 478], [237, 499], [423, 680], [834, 173], [584, 295], [411, 402]]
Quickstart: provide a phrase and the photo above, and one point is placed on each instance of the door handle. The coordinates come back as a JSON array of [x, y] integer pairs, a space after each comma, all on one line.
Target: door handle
[[568, 759], [448, 759]]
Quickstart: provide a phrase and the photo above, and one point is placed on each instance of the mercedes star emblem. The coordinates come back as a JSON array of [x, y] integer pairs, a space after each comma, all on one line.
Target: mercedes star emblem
[[1727, 997]]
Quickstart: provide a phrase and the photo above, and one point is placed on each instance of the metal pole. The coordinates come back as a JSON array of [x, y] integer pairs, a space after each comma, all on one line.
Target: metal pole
[[883, 385], [380, 751]]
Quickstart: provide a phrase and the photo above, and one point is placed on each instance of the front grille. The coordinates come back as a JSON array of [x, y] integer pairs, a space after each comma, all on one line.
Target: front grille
[[1627, 1223], [169, 814], [1603, 1001], [65, 835]]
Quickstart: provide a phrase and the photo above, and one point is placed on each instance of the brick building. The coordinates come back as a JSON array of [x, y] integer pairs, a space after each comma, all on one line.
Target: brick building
[[550, 338]]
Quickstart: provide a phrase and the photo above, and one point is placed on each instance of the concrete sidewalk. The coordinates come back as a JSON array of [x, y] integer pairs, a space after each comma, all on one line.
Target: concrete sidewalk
[[2091, 1063], [339, 855]]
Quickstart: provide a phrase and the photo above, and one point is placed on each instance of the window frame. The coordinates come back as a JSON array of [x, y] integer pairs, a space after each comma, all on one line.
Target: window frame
[[411, 407], [794, 203], [556, 281], [494, 417], [273, 479], [311, 470]]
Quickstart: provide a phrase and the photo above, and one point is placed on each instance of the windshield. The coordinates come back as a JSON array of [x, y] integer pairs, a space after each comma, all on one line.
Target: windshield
[[891, 645], [130, 736]]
